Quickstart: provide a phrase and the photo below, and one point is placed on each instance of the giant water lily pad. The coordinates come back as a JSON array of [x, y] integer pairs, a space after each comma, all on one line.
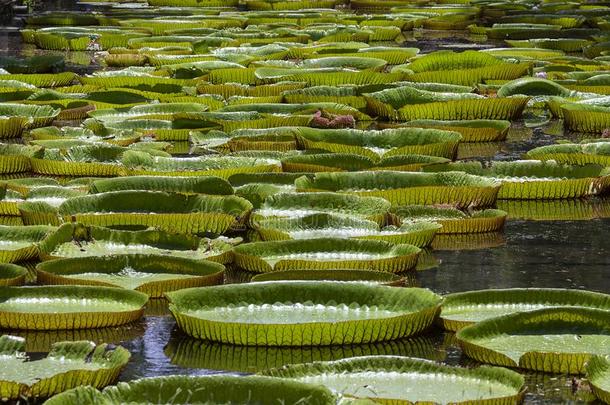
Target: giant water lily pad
[[356, 276], [384, 143], [301, 313], [471, 130], [576, 154], [325, 253], [402, 188], [68, 307], [340, 162], [336, 226], [187, 185], [405, 380], [96, 159], [11, 274], [19, 243], [151, 274], [463, 309], [296, 205], [143, 164], [68, 365], [408, 103], [556, 340], [77, 240], [41, 204], [537, 180], [598, 374], [167, 211], [14, 158], [451, 219], [9, 201], [200, 390], [15, 118]]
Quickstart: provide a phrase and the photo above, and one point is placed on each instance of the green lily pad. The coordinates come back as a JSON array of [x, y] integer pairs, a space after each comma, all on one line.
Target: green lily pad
[[358, 276], [402, 188], [14, 158], [384, 143], [555, 340], [452, 220], [68, 365], [77, 240], [575, 154], [11, 274], [20, 243], [463, 309], [324, 225], [187, 185], [405, 380], [301, 313], [537, 180], [167, 211], [98, 159], [339, 162], [68, 307], [15, 118], [598, 374], [471, 130], [224, 166], [217, 389], [151, 274], [296, 205], [325, 254]]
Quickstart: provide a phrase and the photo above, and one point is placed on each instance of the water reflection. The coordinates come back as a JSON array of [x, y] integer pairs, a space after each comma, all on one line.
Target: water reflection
[[536, 254], [478, 150], [556, 210], [147, 357], [469, 241], [555, 389], [427, 260], [187, 352], [41, 341], [157, 307]]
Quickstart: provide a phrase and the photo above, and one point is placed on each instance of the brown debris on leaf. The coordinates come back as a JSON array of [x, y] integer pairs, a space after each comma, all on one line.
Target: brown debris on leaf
[[322, 119]]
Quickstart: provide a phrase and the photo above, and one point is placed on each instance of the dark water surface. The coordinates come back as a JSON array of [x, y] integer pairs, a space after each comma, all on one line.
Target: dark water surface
[[562, 244]]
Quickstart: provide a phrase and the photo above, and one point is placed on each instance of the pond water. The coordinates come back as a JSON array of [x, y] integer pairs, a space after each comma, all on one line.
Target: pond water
[[555, 244]]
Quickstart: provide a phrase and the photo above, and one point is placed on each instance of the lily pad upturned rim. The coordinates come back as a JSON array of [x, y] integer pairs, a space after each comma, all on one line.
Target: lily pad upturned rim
[[553, 362], [486, 220], [275, 228], [203, 272], [544, 296], [598, 374], [32, 234], [400, 258], [111, 363], [373, 208], [419, 309], [221, 388], [202, 184], [174, 212], [70, 320], [404, 188], [348, 275], [77, 232], [12, 275], [409, 365]]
